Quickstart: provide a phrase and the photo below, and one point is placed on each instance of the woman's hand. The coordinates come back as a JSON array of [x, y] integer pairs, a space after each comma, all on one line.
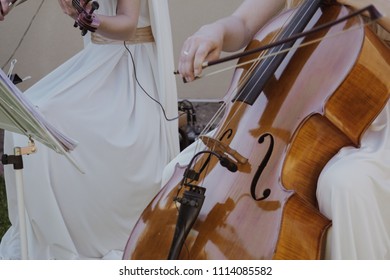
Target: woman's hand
[[68, 8], [226, 34], [206, 44]]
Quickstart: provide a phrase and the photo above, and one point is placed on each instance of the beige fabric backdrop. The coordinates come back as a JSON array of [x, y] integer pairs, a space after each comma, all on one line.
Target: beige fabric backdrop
[[41, 37]]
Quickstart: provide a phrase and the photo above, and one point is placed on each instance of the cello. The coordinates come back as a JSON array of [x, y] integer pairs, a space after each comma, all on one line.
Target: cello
[[250, 191]]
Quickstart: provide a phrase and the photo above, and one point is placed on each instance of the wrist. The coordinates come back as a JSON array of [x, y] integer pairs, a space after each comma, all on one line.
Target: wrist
[[86, 19], [95, 21], [89, 22]]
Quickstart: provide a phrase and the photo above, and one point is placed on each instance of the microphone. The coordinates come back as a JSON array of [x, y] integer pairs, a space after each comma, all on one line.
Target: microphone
[[225, 162]]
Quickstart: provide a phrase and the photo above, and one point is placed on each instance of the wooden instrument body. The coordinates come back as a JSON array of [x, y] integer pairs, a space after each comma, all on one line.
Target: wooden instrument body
[[322, 98]]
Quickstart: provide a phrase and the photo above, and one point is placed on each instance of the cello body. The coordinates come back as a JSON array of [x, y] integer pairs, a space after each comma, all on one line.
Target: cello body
[[322, 97]]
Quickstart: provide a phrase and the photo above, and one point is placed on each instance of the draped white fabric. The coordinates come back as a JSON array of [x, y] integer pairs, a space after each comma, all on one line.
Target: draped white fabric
[[354, 192], [124, 144]]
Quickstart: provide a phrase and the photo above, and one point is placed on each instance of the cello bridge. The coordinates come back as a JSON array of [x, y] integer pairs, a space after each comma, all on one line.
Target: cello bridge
[[223, 149]]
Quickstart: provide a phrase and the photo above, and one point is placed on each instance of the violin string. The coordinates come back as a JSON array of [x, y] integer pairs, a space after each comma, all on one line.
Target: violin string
[[77, 5]]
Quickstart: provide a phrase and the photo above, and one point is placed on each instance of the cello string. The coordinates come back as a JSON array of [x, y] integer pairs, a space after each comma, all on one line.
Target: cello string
[[257, 69], [262, 57], [239, 88], [283, 51], [202, 164], [313, 41], [283, 33], [371, 19], [242, 80], [373, 16]]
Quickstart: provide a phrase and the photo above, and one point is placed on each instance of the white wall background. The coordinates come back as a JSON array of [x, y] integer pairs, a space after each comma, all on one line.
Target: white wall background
[[41, 37]]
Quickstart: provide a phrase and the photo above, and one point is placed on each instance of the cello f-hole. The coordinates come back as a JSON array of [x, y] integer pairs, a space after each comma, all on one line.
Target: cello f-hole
[[263, 164], [229, 131]]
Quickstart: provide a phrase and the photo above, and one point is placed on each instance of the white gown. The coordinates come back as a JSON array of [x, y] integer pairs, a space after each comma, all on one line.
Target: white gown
[[354, 192], [124, 142]]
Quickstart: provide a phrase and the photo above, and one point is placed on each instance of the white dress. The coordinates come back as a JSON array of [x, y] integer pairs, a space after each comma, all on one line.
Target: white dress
[[124, 142], [354, 192]]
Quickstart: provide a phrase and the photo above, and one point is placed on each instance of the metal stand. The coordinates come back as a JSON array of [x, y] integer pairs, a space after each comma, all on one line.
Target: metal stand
[[17, 161]]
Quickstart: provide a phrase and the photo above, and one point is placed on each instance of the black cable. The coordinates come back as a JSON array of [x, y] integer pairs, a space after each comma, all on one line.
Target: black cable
[[139, 84], [124, 43]]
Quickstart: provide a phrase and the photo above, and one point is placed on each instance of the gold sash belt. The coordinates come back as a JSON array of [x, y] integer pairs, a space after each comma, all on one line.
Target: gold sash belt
[[142, 35]]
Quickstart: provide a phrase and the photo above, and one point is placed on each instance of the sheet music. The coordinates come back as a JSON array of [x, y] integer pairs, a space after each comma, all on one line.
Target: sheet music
[[19, 115]]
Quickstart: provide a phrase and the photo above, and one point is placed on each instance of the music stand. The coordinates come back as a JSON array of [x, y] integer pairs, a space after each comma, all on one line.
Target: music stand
[[18, 115]]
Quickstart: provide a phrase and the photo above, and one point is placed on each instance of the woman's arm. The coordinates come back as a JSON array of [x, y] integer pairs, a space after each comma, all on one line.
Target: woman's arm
[[226, 34]]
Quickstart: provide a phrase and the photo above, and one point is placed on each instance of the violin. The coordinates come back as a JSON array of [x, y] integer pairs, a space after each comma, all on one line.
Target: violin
[[250, 191], [85, 18]]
